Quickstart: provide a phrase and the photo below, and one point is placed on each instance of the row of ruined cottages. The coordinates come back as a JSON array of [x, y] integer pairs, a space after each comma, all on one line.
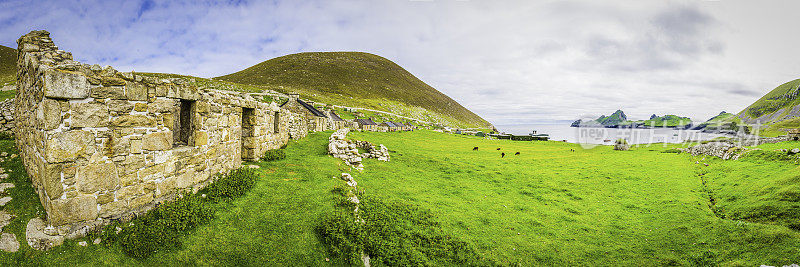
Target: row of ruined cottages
[[101, 145], [327, 119]]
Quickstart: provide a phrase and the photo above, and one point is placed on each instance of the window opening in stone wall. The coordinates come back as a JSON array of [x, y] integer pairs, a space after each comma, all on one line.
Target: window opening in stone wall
[[277, 122], [184, 123]]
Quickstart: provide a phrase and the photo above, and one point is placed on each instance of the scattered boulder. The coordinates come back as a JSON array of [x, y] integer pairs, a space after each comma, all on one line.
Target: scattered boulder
[[38, 239], [8, 242], [5, 186], [621, 145], [5, 219], [793, 151], [4, 201]]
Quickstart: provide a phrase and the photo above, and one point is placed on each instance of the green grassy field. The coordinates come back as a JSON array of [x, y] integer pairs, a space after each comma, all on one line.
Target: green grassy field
[[547, 206]]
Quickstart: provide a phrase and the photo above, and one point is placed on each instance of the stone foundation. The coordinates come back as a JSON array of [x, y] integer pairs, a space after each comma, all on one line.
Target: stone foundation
[[100, 145]]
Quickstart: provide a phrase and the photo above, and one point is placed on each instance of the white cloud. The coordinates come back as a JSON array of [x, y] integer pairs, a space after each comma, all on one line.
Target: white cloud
[[509, 61]]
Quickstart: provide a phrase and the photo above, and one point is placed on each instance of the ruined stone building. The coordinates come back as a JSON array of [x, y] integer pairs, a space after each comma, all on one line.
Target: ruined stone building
[[100, 144], [367, 125]]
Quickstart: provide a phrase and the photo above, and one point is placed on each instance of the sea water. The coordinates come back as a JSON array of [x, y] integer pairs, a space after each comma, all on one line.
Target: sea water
[[607, 136]]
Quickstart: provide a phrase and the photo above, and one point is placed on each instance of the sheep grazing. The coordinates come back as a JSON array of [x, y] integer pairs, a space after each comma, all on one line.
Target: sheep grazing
[[475, 148], [516, 154], [502, 155]]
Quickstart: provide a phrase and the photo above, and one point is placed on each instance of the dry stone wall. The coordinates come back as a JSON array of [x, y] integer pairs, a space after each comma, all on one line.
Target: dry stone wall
[[7, 116], [100, 144], [347, 150]]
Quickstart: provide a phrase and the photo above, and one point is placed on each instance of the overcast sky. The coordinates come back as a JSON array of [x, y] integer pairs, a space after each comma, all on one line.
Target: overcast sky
[[511, 62]]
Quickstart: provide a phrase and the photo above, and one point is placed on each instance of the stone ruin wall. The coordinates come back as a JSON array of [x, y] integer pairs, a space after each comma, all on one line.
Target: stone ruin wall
[[100, 144], [7, 116]]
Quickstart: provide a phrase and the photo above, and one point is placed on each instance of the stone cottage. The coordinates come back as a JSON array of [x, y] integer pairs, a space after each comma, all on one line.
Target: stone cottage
[[367, 125], [101, 145], [335, 122], [794, 135], [310, 119]]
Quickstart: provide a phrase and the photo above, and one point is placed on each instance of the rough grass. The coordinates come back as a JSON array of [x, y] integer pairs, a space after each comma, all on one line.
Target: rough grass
[[551, 206], [780, 128], [206, 83], [773, 101], [7, 94], [354, 79]]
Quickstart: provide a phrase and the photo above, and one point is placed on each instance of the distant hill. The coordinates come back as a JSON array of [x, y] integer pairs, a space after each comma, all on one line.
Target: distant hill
[[357, 79], [722, 121], [666, 121], [614, 120], [8, 65], [618, 119], [782, 103]]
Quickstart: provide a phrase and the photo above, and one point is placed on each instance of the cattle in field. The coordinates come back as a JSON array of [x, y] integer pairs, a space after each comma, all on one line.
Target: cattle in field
[[502, 155], [516, 154], [498, 148], [475, 148]]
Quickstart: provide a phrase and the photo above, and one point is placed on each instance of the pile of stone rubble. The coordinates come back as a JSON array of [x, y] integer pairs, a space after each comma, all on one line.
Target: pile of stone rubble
[[723, 150], [347, 150]]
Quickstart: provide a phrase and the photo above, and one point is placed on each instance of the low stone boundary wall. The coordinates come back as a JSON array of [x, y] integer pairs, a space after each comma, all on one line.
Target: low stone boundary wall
[[723, 150], [731, 150], [347, 150]]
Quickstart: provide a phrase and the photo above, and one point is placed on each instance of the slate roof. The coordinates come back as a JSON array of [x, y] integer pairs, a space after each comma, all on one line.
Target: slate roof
[[399, 124], [310, 108], [365, 122], [389, 123], [334, 116]]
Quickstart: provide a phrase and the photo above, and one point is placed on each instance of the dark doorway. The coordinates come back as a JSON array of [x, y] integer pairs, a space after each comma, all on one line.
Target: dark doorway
[[184, 125], [277, 122], [248, 121], [248, 128]]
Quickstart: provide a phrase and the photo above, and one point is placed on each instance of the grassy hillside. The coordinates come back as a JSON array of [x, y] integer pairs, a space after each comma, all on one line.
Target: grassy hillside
[[8, 65], [357, 79], [775, 106], [667, 121]]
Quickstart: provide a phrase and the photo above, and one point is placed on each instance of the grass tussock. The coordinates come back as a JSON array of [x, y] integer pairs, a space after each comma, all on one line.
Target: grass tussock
[[394, 234], [161, 228], [274, 154]]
